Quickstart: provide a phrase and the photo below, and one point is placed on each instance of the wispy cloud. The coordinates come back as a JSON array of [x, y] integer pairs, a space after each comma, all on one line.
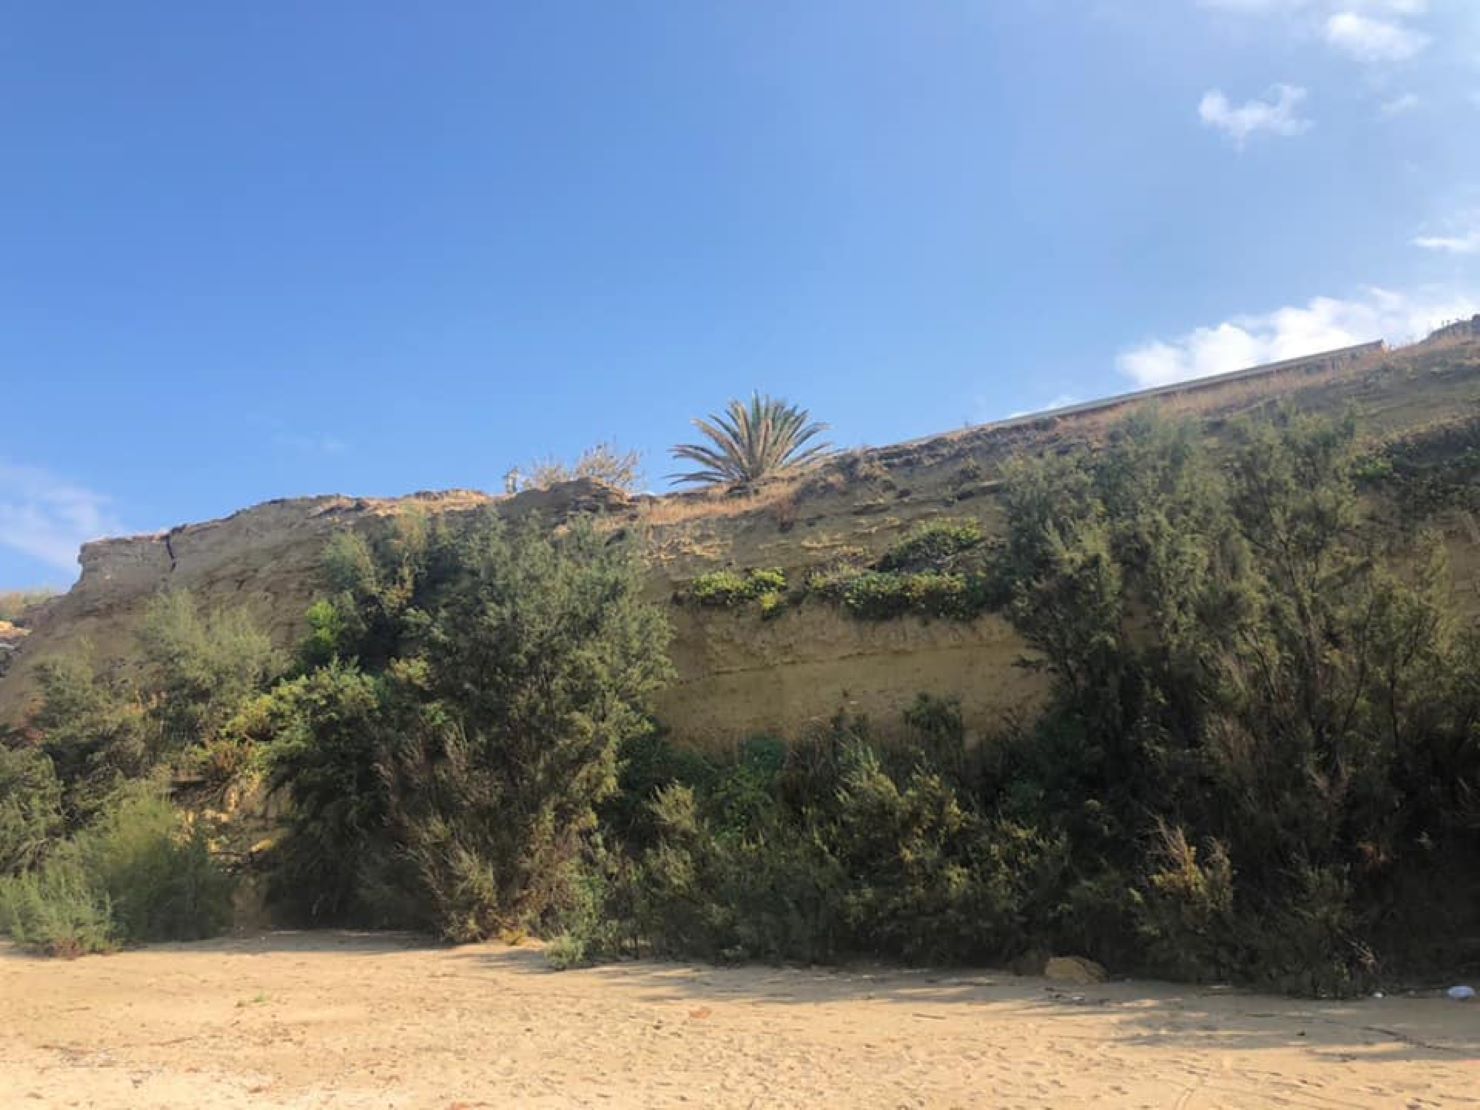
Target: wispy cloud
[[285, 437], [310, 444], [1399, 105], [1062, 401], [1279, 115], [1462, 236], [48, 518], [1323, 324]]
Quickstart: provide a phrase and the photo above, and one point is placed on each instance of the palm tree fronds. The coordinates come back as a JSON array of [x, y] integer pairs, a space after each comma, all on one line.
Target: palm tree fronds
[[762, 439]]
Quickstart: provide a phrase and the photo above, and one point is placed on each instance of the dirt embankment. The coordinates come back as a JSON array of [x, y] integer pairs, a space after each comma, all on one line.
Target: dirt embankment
[[343, 1021]]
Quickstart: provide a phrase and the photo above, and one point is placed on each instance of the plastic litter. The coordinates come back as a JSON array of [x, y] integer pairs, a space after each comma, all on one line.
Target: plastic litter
[[1461, 993]]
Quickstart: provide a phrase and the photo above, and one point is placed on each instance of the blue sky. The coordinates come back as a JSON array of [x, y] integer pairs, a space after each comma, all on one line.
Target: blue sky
[[254, 251]]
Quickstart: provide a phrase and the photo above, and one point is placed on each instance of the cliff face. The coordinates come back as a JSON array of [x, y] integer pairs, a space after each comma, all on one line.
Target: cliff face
[[738, 674]]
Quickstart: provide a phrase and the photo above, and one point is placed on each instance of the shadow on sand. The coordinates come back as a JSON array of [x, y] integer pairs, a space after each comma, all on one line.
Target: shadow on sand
[[1193, 1018]]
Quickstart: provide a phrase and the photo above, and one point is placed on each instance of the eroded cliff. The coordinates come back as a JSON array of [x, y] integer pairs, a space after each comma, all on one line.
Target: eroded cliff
[[738, 673]]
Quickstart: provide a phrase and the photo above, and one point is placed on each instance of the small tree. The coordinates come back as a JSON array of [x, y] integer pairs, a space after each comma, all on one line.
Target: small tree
[[748, 442]]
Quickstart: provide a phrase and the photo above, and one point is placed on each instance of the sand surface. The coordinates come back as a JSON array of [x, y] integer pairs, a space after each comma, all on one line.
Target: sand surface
[[344, 1020]]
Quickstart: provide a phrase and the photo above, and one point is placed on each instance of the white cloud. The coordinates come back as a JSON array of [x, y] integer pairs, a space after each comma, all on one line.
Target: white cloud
[[1278, 116], [1399, 105], [49, 518], [1369, 39], [1291, 332], [1463, 237], [1374, 32]]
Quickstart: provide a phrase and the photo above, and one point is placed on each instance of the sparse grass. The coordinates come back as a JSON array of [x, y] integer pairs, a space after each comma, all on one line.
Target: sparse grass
[[679, 508]]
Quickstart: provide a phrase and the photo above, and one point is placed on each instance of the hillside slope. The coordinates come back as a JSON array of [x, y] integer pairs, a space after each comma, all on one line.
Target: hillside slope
[[740, 673]]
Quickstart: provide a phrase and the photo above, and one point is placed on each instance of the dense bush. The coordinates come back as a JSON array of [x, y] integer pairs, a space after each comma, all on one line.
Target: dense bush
[[138, 873], [331, 733], [1260, 760], [831, 848], [1431, 470], [102, 731], [1252, 684], [96, 732], [1259, 763], [57, 908], [201, 667], [30, 808], [156, 869], [94, 852], [458, 780]]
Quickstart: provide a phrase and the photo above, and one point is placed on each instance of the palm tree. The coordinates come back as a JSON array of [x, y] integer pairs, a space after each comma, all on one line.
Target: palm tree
[[763, 439]]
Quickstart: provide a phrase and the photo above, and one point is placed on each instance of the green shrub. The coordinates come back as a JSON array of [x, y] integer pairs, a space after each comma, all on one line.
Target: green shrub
[[831, 582], [139, 873], [202, 666], [156, 871], [884, 595], [58, 909], [566, 951], [820, 850], [1373, 468], [540, 660], [923, 575], [337, 862], [102, 732], [757, 890], [721, 589], [932, 877], [932, 546], [1186, 911], [728, 589], [96, 732], [771, 605], [1234, 662], [30, 808]]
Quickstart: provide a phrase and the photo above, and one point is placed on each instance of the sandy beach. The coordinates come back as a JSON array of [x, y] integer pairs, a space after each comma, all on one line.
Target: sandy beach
[[346, 1020]]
